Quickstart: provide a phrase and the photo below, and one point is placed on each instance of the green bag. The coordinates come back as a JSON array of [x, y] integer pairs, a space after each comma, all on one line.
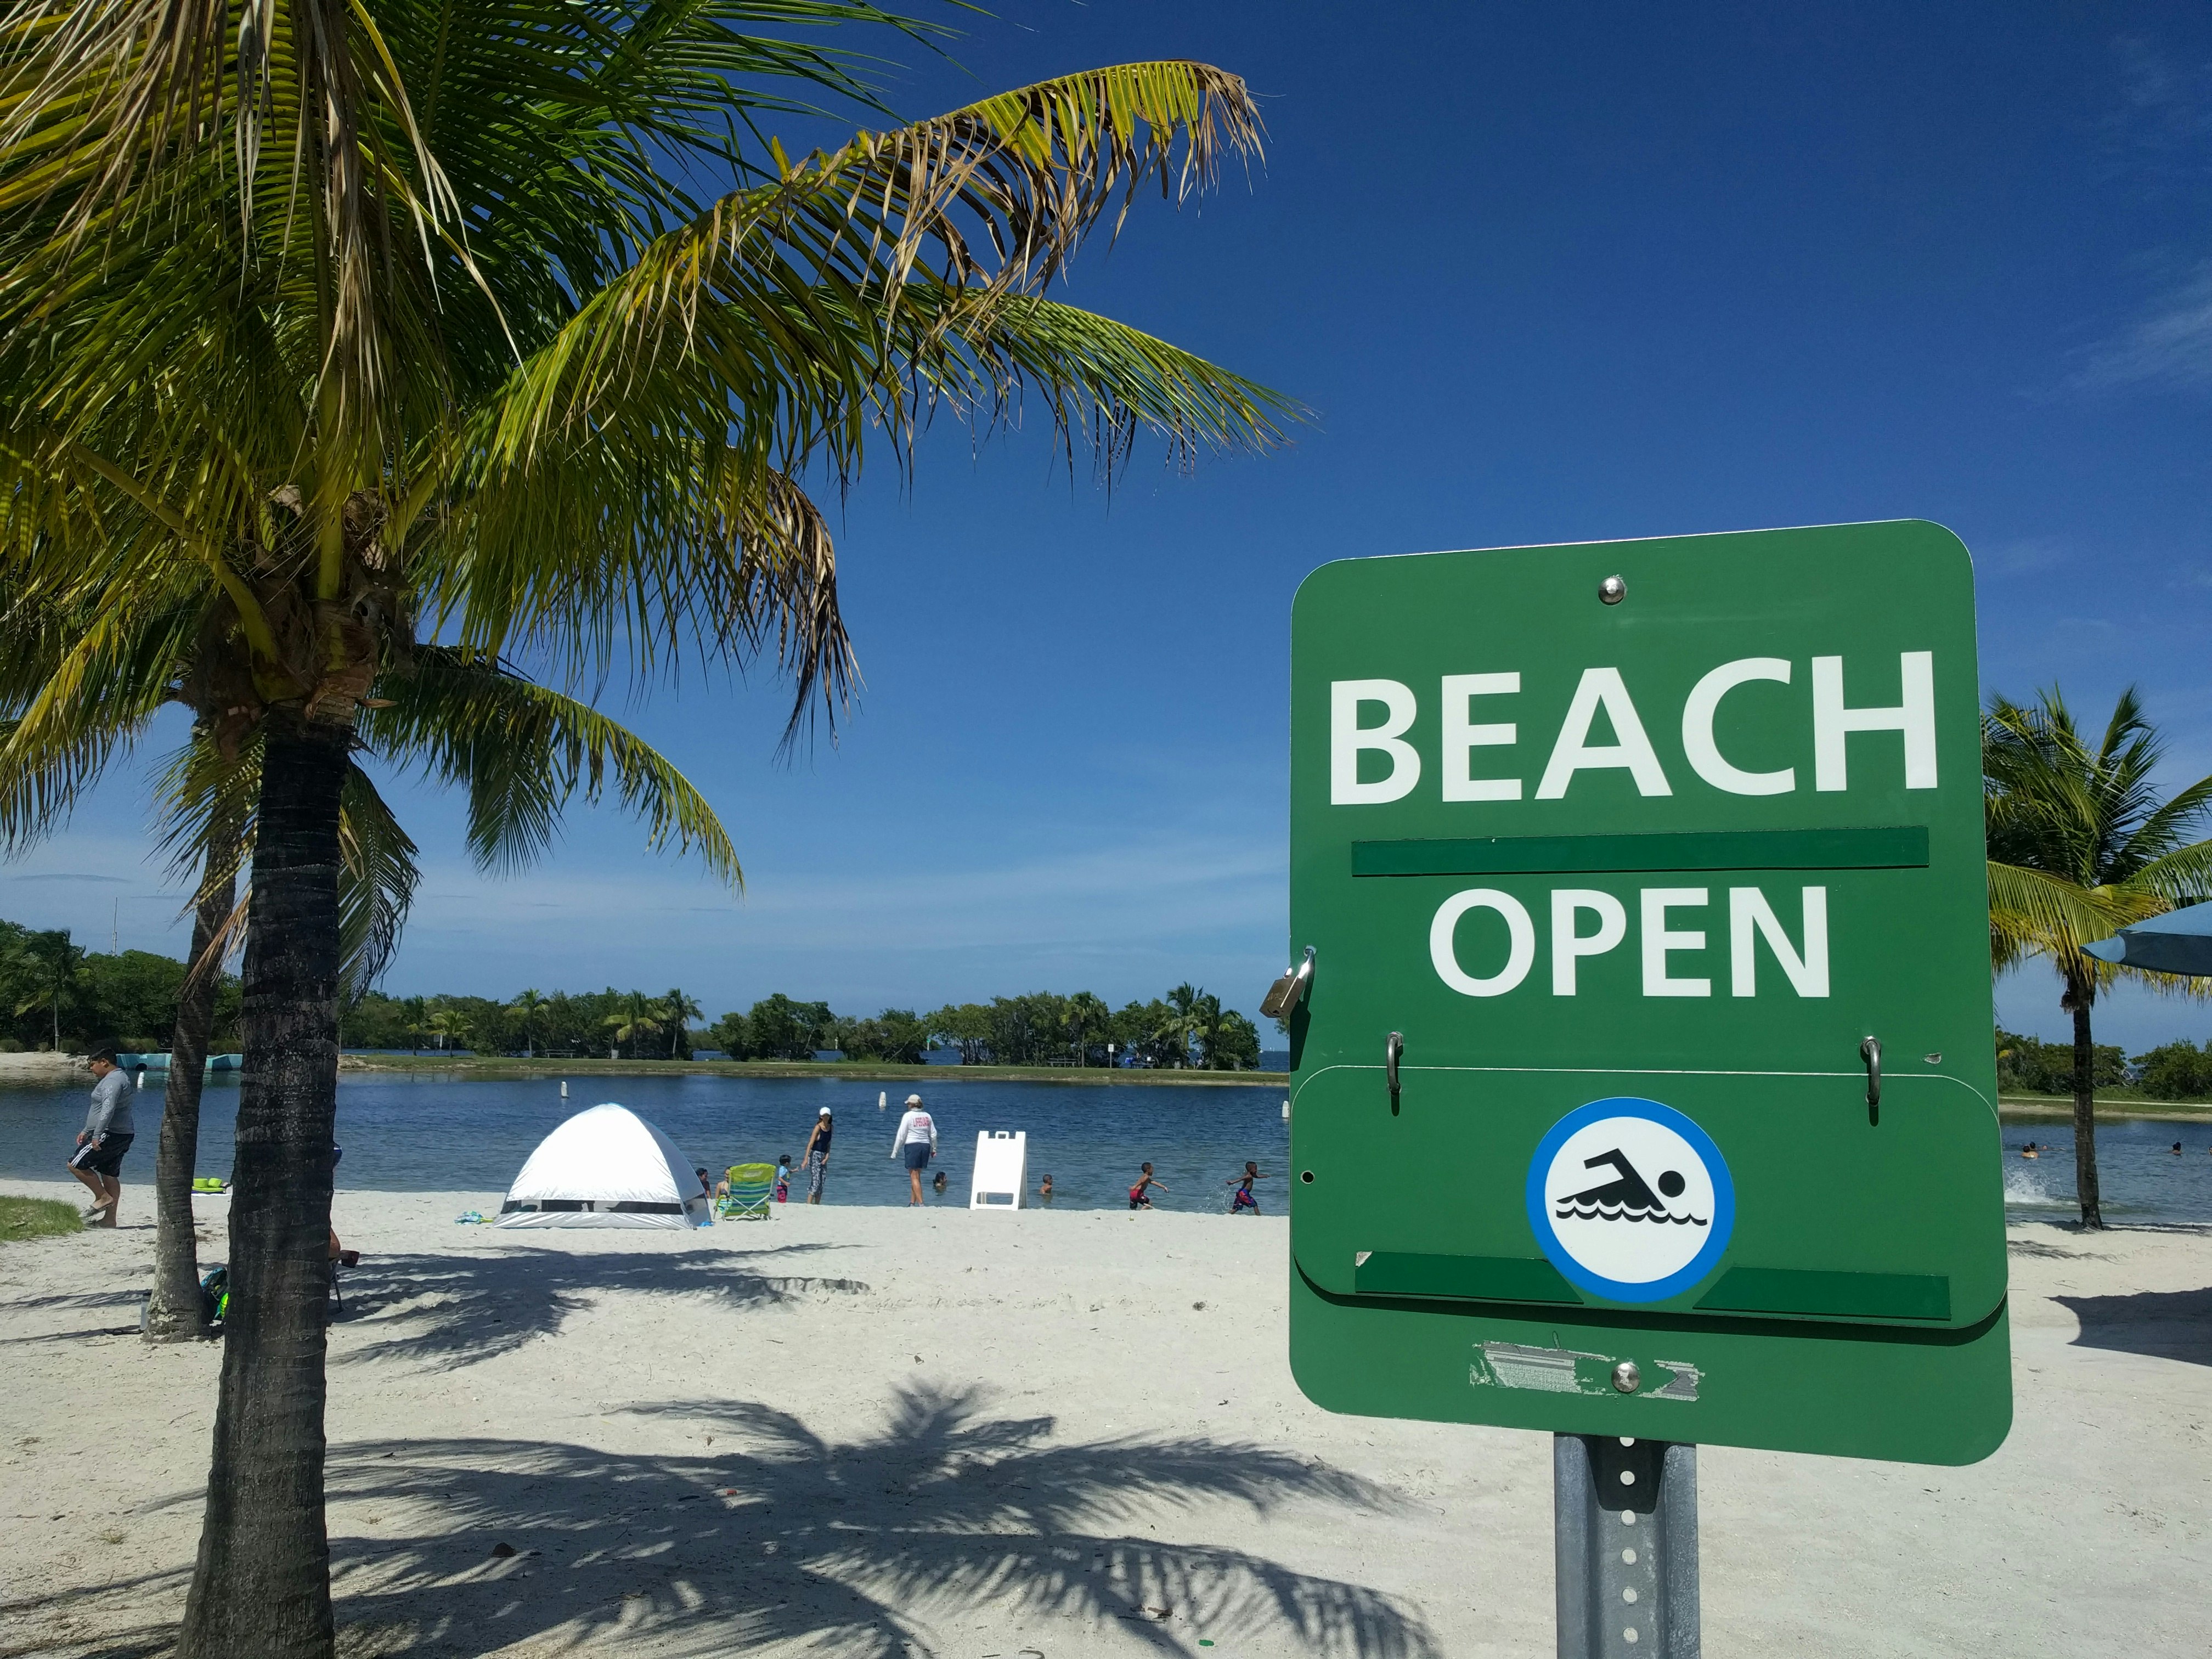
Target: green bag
[[214, 1295]]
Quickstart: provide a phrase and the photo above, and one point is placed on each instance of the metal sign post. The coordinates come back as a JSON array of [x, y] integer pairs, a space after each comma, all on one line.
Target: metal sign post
[[1625, 1540], [1642, 1088]]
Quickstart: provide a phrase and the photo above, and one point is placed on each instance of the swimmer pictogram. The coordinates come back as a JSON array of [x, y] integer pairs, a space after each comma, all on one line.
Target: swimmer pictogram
[[1626, 1198], [1611, 1165]]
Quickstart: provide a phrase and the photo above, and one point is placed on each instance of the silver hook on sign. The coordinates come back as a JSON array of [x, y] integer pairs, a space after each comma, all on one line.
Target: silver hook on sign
[[1871, 1052], [1286, 993], [1393, 1049]]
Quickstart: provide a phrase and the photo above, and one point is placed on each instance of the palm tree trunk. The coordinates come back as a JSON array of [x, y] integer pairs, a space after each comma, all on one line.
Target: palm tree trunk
[[172, 1315], [2084, 1110], [261, 1588]]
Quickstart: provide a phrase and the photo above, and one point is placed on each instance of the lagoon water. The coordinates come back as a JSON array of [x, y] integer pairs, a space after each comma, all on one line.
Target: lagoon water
[[413, 1131], [2142, 1181], [425, 1132]]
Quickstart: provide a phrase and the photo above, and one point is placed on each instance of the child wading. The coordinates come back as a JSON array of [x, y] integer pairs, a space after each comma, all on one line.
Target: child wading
[[1241, 1201], [1140, 1195]]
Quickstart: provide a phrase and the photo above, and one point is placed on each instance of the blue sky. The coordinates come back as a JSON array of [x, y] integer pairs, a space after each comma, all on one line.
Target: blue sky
[[1544, 274]]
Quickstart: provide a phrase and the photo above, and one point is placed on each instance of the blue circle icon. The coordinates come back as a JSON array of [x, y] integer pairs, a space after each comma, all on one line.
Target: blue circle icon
[[1630, 1199]]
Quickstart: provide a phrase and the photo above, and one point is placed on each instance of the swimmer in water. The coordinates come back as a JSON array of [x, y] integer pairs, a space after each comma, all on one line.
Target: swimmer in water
[[2029, 1151], [2177, 1149], [940, 1182], [1045, 1191]]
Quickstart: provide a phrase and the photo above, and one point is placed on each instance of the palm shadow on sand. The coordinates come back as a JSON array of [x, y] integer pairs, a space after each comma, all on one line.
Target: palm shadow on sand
[[2165, 1324], [943, 1525], [446, 1310]]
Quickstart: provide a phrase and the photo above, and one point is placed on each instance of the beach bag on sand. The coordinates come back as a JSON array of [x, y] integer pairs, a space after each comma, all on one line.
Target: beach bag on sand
[[214, 1295]]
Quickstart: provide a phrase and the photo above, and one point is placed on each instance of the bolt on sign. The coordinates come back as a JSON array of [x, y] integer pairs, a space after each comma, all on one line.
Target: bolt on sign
[[1644, 1083]]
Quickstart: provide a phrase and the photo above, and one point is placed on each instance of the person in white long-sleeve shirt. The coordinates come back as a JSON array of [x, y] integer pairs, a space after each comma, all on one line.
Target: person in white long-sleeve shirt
[[915, 1140]]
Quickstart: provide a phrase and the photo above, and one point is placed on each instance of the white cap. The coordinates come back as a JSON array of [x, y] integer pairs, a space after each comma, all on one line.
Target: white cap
[[914, 1100], [825, 1111]]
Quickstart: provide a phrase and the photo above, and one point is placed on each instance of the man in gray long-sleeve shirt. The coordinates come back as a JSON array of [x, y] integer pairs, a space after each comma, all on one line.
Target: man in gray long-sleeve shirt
[[107, 1136]]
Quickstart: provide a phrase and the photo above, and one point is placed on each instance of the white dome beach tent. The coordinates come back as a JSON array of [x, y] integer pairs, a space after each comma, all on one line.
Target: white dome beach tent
[[607, 1167]]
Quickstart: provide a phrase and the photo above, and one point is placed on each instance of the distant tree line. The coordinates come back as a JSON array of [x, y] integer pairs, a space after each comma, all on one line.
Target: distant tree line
[[55, 995], [632, 1024], [2172, 1071], [1187, 1027]]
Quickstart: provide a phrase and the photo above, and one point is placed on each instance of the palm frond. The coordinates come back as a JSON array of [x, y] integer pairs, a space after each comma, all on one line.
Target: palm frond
[[2039, 914], [77, 692], [377, 880], [2181, 877], [205, 829], [794, 287], [1101, 380], [2165, 828], [522, 750]]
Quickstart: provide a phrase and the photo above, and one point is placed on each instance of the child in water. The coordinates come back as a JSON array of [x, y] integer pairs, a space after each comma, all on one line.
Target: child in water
[[938, 1184], [783, 1179], [1240, 1202], [1045, 1191], [1140, 1195]]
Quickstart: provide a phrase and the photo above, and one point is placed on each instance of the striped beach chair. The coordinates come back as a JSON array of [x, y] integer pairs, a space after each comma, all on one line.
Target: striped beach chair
[[747, 1199]]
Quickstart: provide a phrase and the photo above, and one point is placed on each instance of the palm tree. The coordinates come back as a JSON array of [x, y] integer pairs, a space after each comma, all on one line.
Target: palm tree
[[52, 966], [2079, 845], [1086, 1013], [528, 1005], [417, 1016], [327, 331], [676, 1008], [1206, 1016], [1184, 1023], [639, 1019], [450, 1028], [209, 824]]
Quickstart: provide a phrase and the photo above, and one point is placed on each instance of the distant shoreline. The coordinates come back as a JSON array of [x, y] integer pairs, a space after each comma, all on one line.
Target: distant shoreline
[[47, 1068], [843, 1071], [2043, 1109]]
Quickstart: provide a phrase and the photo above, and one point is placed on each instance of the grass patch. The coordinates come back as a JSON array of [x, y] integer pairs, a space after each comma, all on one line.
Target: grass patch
[[36, 1217]]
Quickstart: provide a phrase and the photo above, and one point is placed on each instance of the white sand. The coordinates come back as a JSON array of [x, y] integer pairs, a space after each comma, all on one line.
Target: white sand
[[867, 1431]]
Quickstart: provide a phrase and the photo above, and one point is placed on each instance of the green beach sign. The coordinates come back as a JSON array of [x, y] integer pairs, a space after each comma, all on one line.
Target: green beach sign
[[1643, 1072]]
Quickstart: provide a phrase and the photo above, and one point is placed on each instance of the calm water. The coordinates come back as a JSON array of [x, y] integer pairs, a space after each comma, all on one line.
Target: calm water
[[413, 1133], [417, 1133]]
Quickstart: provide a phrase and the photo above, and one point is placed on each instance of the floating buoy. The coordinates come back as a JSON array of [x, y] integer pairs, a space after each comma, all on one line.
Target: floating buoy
[[883, 1098], [1286, 1111], [564, 1095]]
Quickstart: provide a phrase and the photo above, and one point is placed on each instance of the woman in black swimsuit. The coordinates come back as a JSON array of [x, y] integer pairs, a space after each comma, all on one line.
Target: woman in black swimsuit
[[815, 1160]]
